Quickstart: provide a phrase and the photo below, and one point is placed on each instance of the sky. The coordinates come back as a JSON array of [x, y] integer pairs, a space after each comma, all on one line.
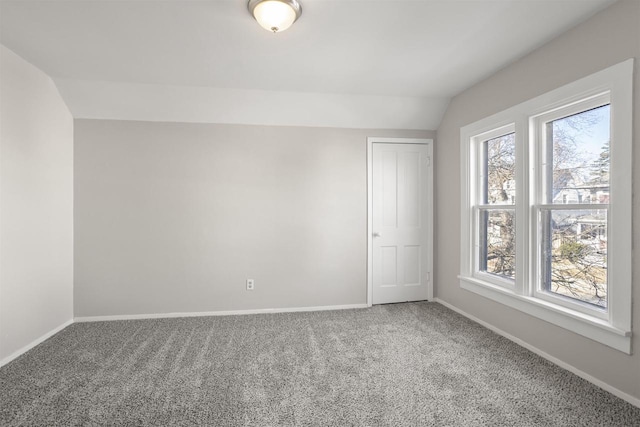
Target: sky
[[591, 138]]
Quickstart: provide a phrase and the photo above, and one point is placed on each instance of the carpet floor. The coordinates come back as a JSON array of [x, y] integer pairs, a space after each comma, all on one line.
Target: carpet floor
[[417, 364]]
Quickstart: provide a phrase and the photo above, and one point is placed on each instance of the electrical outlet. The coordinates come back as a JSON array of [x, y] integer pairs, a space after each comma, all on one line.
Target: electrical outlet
[[250, 284]]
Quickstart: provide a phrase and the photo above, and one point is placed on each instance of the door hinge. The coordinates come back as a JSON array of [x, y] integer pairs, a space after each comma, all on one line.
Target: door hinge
[[428, 160], [428, 276]]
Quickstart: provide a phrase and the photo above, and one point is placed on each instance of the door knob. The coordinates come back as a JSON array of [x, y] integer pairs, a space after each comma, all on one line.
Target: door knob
[[377, 235]]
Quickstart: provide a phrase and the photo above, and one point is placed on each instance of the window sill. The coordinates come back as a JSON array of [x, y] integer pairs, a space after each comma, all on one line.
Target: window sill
[[591, 327]]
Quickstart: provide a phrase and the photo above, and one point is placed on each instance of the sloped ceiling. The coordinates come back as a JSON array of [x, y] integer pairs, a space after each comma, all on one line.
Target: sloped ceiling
[[345, 63]]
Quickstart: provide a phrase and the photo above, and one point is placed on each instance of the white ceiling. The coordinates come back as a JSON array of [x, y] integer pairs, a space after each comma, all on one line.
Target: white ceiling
[[411, 54]]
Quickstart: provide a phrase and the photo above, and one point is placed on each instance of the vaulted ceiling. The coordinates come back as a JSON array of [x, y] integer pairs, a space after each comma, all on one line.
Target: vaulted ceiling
[[345, 63]]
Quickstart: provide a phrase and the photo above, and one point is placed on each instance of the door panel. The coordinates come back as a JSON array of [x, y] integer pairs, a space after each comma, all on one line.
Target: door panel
[[412, 265], [389, 183], [412, 189], [389, 266], [400, 232]]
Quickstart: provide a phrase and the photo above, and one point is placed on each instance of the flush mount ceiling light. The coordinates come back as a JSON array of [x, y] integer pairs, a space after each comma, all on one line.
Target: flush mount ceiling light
[[275, 15]]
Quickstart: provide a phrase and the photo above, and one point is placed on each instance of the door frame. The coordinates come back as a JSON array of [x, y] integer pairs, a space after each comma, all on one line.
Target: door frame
[[429, 221]]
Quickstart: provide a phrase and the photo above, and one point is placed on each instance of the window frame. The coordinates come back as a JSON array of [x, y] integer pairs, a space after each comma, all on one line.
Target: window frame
[[479, 207], [613, 328], [539, 204]]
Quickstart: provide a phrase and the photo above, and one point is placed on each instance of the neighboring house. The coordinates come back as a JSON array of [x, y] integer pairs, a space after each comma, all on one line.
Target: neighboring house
[[570, 188], [586, 226]]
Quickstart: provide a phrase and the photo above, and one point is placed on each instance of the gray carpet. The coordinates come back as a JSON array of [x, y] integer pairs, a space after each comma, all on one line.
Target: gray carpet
[[416, 364]]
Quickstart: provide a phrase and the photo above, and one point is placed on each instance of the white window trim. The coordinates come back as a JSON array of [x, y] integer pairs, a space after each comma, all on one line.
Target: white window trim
[[614, 329], [475, 142], [538, 204]]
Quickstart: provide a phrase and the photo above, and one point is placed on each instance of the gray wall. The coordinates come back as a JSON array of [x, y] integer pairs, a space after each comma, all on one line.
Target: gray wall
[[36, 206], [174, 217], [609, 37]]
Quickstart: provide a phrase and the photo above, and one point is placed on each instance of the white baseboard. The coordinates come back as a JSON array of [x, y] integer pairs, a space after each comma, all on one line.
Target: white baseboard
[[616, 392], [34, 343], [216, 313]]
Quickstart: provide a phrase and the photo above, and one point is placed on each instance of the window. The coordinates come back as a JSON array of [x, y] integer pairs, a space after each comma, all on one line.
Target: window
[[495, 204], [546, 209], [574, 162]]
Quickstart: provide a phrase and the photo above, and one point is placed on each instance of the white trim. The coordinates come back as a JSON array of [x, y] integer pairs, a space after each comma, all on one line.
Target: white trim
[[591, 327], [370, 221], [615, 331], [383, 140], [621, 193], [593, 380], [34, 343], [541, 201], [370, 141], [215, 313]]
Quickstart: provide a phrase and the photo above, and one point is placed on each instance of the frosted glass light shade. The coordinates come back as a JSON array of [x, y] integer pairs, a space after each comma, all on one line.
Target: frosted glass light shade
[[275, 15]]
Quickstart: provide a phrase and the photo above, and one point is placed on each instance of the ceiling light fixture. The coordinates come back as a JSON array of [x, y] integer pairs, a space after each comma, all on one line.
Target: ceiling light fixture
[[275, 15]]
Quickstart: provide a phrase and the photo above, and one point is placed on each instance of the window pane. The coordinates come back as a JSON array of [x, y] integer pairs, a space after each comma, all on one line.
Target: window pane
[[579, 168], [499, 185], [575, 254], [498, 242]]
